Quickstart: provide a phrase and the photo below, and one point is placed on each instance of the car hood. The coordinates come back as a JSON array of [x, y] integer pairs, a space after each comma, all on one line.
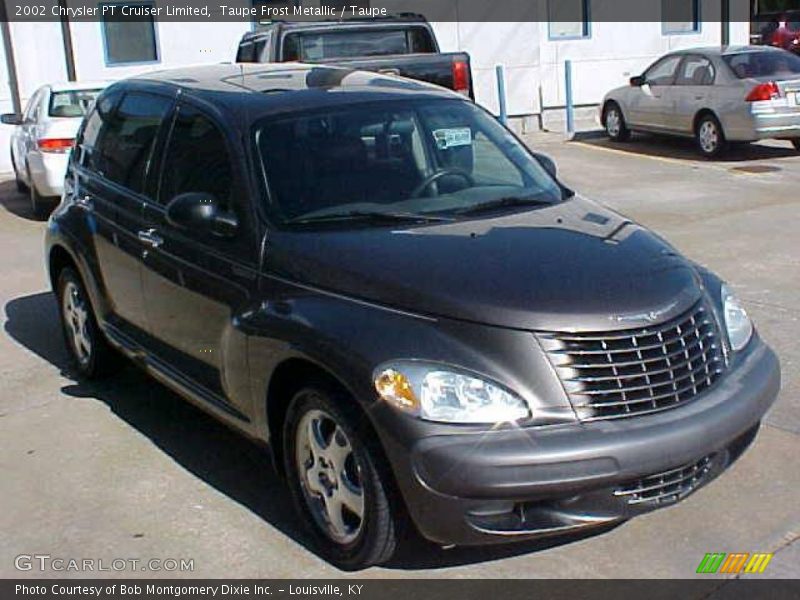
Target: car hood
[[573, 266]]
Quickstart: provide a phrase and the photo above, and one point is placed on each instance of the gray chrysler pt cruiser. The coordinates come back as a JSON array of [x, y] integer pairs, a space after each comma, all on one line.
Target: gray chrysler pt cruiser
[[378, 280]]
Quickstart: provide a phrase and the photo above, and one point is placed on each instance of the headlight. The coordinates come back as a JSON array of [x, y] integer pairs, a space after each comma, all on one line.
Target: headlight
[[738, 324], [437, 393]]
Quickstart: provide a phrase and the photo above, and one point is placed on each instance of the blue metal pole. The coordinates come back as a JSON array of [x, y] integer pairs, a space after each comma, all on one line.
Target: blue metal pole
[[568, 90], [501, 93]]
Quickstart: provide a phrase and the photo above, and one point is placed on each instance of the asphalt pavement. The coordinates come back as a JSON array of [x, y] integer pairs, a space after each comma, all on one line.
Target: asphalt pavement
[[125, 469]]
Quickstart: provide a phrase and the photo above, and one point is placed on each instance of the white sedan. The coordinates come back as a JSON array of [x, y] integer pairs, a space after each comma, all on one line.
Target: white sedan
[[43, 137]]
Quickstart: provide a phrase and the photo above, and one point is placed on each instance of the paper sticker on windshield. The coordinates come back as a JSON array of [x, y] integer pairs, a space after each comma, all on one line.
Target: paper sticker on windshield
[[450, 138]]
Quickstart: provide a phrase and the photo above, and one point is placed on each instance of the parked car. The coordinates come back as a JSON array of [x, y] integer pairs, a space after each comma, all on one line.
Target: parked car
[[781, 30], [716, 95], [43, 137], [399, 45], [377, 279]]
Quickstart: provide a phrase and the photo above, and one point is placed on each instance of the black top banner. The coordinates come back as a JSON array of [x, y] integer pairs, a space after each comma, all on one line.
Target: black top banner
[[432, 10]]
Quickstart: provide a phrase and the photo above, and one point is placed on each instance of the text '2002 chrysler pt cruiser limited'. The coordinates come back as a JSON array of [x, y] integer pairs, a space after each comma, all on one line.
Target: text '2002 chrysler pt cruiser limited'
[[375, 277]]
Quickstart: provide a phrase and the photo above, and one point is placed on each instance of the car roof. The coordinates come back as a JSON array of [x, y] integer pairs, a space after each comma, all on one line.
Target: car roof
[[277, 87], [404, 18], [725, 50]]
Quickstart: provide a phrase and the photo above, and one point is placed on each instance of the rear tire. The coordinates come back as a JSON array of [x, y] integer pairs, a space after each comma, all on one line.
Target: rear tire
[[614, 123], [21, 187], [90, 354], [709, 137], [339, 484]]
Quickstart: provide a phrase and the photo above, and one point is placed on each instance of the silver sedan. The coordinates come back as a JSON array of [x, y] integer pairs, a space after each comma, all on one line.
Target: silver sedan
[[715, 95]]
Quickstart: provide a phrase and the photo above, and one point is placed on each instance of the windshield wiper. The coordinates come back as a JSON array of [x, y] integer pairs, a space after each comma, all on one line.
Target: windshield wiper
[[371, 215], [505, 201]]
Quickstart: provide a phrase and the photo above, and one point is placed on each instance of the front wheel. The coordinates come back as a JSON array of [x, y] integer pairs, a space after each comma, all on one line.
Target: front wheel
[[89, 353], [614, 122], [338, 483], [710, 137]]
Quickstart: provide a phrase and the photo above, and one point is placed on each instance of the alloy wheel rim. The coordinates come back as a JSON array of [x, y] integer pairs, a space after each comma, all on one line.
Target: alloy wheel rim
[[708, 136], [76, 318], [330, 476], [612, 122]]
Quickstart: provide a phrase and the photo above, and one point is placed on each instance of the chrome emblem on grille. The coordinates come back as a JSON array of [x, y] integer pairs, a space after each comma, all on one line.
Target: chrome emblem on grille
[[650, 317]]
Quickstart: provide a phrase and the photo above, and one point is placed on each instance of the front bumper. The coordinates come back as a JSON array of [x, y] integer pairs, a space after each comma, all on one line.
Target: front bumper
[[479, 487]]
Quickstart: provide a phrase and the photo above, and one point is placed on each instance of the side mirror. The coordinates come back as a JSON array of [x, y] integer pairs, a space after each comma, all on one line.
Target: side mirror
[[548, 164], [638, 81], [11, 119], [201, 212]]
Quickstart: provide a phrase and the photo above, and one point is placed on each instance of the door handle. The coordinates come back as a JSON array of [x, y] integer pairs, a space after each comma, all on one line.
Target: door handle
[[150, 237], [85, 202]]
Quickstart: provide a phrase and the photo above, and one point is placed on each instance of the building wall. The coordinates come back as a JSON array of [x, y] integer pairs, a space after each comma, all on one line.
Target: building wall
[[533, 62]]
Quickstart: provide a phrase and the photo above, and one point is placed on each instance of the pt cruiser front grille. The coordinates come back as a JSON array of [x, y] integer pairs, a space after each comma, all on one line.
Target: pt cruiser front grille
[[669, 486], [610, 375]]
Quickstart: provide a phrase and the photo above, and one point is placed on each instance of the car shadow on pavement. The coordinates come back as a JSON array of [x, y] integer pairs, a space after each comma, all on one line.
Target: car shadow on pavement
[[15, 202], [685, 149], [237, 467]]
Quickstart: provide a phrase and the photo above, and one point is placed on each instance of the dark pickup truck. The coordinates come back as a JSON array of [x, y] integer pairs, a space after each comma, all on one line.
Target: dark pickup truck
[[402, 45]]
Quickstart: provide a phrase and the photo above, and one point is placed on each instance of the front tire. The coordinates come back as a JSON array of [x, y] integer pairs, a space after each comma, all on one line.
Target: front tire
[[709, 137], [90, 355], [339, 485], [614, 123]]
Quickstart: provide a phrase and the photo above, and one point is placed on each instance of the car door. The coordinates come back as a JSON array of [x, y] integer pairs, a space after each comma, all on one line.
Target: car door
[[115, 149], [692, 91], [651, 103], [194, 283]]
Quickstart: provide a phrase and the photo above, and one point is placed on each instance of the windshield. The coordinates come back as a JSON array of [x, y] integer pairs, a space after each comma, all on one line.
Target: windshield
[[440, 157], [763, 64], [72, 103]]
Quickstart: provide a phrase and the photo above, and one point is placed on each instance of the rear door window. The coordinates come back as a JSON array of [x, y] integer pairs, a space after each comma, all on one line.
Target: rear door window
[[695, 70], [122, 152], [196, 159]]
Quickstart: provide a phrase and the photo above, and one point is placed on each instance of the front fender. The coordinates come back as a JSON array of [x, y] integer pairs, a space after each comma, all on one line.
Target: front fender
[[349, 338]]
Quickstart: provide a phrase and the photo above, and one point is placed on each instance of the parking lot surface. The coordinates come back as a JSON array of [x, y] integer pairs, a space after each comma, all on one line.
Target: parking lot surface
[[126, 469]]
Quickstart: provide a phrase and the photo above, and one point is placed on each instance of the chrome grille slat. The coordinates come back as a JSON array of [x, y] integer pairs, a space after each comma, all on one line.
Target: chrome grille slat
[[638, 371], [634, 388], [651, 372], [673, 484]]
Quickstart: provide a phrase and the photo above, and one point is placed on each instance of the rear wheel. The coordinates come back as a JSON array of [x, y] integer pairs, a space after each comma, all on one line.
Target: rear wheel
[[21, 187], [614, 122], [709, 136], [90, 354], [338, 483], [39, 204]]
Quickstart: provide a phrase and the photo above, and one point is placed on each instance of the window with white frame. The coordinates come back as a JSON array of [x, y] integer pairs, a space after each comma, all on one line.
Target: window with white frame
[[129, 39], [680, 16], [568, 19]]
